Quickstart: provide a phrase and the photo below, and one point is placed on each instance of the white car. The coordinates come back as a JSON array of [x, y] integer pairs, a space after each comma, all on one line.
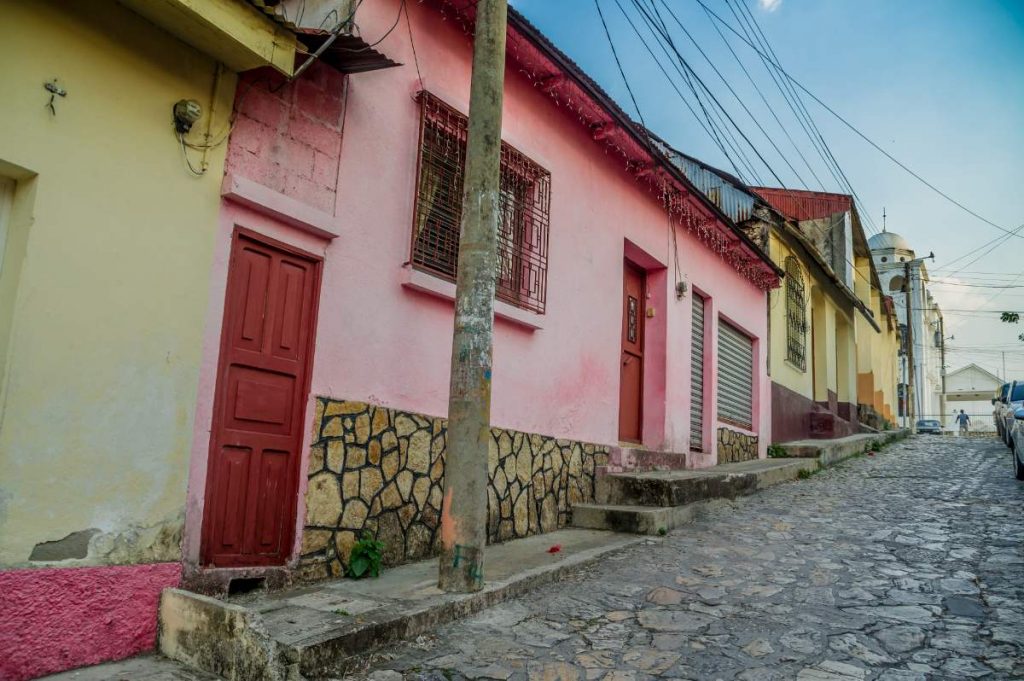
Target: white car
[[997, 409], [1007, 409], [1017, 443]]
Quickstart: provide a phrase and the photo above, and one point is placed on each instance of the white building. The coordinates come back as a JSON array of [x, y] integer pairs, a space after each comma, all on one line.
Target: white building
[[895, 259], [971, 388]]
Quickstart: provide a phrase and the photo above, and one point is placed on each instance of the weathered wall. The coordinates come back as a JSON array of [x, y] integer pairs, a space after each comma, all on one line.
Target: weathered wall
[[381, 470], [102, 296], [107, 317]]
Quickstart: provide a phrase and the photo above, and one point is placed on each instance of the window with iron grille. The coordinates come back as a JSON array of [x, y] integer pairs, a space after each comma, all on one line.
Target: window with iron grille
[[796, 314], [525, 200]]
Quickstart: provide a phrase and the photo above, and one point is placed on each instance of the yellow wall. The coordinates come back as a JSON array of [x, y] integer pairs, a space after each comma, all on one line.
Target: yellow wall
[[831, 349], [784, 372], [102, 314]]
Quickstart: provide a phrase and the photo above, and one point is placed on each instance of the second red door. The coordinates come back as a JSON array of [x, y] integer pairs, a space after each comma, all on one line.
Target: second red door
[[631, 384]]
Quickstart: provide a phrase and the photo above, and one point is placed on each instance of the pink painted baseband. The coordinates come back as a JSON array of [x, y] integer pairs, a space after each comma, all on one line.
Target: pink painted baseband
[[52, 619]]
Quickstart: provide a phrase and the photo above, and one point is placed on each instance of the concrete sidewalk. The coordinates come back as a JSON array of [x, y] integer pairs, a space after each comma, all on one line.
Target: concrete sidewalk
[[314, 631]]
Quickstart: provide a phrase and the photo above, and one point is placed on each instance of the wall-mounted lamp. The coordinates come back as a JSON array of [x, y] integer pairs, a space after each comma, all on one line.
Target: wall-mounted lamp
[[680, 290]]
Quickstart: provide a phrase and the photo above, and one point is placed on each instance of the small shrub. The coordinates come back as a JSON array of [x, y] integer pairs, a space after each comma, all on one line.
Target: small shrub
[[662, 531], [777, 452], [803, 474], [366, 557]]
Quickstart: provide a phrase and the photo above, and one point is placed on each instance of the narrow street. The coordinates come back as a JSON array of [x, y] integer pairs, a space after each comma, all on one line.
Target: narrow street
[[907, 565]]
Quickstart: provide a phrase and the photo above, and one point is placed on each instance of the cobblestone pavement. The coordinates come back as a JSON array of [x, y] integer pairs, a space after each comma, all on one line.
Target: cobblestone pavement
[[905, 565]]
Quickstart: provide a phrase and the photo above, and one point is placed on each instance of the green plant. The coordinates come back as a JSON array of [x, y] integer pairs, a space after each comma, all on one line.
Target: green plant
[[662, 531], [777, 452], [803, 474], [366, 557]]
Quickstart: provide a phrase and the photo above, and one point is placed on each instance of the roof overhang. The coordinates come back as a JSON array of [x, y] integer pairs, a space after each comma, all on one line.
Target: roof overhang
[[556, 75], [231, 31]]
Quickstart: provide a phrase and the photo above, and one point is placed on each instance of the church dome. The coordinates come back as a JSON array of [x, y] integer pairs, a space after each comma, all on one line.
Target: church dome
[[889, 240]]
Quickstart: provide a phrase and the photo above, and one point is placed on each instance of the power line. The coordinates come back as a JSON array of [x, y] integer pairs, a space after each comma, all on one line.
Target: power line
[[618, 63], [712, 134], [845, 181], [863, 136], [739, 99], [666, 36], [767, 106]]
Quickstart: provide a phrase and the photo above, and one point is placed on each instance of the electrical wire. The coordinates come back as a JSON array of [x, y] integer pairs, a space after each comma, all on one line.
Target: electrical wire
[[675, 87], [767, 106], [828, 156], [732, 90], [668, 40], [618, 63], [865, 137]]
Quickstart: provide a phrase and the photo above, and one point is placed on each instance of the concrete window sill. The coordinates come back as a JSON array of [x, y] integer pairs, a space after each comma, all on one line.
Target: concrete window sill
[[422, 282]]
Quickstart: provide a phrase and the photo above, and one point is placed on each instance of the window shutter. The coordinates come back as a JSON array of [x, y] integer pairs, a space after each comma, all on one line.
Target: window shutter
[[697, 376], [735, 376]]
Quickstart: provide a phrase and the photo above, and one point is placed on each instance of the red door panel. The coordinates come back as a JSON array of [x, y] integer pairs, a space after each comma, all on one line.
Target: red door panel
[[634, 303], [262, 385]]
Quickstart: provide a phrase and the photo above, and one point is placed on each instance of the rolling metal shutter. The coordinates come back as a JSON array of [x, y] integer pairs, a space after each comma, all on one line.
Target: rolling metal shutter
[[735, 376], [697, 376]]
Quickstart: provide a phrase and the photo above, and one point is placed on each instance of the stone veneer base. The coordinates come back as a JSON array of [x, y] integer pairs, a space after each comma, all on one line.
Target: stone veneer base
[[380, 470]]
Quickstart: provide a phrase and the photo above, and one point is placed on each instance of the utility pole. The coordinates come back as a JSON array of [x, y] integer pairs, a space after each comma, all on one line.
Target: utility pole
[[911, 405], [942, 368], [464, 512]]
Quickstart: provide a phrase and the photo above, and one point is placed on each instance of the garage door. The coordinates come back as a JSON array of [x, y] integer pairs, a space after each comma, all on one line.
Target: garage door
[[697, 376], [735, 376]]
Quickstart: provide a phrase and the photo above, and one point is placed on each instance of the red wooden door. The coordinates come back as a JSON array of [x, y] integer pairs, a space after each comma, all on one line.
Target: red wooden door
[[631, 384], [258, 418]]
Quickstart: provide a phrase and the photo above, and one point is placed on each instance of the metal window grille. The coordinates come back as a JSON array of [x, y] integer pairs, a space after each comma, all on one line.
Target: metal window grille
[[525, 201], [796, 314]]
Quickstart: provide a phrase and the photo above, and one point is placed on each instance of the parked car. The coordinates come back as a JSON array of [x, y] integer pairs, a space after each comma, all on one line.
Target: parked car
[[1017, 443], [1007, 408], [997, 407], [929, 426]]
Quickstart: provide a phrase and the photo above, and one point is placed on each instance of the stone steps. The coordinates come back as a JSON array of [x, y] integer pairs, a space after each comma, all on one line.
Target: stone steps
[[654, 502]]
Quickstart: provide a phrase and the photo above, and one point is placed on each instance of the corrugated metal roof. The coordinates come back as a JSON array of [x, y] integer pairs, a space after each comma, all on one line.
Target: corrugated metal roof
[[730, 198], [798, 204]]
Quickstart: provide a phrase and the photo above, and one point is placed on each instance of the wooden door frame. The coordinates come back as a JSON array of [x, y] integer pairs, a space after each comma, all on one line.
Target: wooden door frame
[[239, 233], [642, 319]]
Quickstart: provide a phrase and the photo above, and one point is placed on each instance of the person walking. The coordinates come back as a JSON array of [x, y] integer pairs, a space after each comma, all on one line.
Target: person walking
[[964, 420]]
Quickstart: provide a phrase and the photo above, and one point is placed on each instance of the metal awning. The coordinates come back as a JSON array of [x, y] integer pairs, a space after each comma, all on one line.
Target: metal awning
[[348, 53]]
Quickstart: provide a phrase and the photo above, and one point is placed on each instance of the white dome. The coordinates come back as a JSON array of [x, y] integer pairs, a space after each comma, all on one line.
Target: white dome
[[889, 240]]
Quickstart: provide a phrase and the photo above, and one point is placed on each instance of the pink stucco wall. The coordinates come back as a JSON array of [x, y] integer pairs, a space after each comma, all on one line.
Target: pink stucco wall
[[383, 342], [53, 619]]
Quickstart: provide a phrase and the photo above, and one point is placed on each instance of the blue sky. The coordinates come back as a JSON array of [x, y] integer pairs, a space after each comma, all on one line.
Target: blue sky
[[938, 83]]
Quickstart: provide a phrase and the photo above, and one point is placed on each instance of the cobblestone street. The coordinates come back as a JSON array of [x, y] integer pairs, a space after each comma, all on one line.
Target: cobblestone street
[[905, 565]]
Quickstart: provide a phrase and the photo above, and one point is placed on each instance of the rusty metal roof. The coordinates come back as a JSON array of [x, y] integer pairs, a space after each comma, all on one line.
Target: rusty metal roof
[[799, 204]]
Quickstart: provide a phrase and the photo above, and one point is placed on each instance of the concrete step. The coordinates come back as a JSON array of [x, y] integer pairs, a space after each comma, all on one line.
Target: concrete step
[[677, 488], [638, 459], [830, 452], [314, 631], [635, 519]]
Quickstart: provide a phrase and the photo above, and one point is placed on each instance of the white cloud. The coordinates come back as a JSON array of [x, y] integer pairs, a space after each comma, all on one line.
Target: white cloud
[[769, 5]]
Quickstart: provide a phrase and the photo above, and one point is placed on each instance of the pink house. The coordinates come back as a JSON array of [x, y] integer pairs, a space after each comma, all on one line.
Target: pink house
[[631, 313]]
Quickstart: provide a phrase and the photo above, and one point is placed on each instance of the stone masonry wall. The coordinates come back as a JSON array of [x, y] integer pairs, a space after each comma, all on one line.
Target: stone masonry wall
[[736, 446], [381, 470]]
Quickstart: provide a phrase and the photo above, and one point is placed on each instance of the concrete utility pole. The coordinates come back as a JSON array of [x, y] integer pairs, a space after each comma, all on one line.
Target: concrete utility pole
[[911, 405], [464, 513], [942, 369]]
